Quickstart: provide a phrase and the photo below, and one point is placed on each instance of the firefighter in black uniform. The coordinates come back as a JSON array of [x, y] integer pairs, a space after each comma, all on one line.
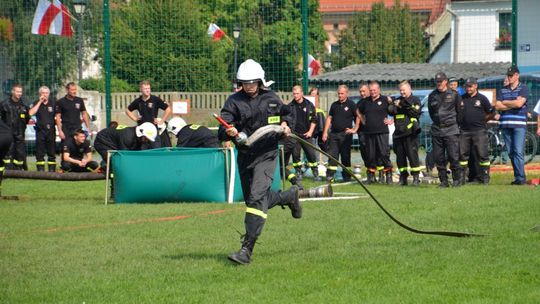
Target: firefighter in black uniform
[[148, 106], [77, 154], [193, 136], [338, 131], [363, 90], [375, 110], [476, 111], [45, 130], [321, 119], [406, 112], [248, 110], [69, 110], [14, 113], [443, 106], [302, 121], [6, 138], [121, 137]]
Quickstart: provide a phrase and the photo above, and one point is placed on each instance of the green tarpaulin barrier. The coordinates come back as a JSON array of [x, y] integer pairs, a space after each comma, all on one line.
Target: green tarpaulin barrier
[[178, 175]]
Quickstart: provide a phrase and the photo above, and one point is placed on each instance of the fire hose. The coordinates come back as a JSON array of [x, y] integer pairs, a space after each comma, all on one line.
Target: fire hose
[[277, 129]]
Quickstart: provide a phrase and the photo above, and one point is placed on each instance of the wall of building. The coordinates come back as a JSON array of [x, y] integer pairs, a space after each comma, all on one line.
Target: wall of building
[[528, 43]]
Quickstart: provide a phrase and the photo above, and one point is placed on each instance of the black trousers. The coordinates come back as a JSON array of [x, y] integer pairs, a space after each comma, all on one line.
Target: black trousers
[[256, 176], [17, 151], [362, 146], [45, 145], [339, 147], [378, 151], [71, 167], [443, 147], [476, 141], [406, 148], [309, 152], [5, 143]]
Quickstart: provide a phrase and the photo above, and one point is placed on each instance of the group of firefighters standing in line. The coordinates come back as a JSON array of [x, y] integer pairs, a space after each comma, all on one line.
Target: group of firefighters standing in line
[[459, 127]]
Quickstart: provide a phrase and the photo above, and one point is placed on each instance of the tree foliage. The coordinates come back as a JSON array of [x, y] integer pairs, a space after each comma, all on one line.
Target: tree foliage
[[383, 35], [35, 60]]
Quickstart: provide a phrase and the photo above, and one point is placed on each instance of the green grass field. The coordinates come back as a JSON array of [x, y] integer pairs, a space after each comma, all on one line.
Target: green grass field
[[61, 244]]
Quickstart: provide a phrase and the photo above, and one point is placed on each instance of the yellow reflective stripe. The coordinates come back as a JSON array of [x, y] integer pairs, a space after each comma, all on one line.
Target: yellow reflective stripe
[[379, 168], [416, 169], [464, 163], [291, 176], [413, 119], [317, 110], [120, 127], [256, 212], [7, 161], [40, 163], [297, 164], [22, 116], [18, 162], [484, 164], [409, 125], [273, 119], [332, 168], [403, 169], [51, 163], [313, 164], [194, 127], [400, 116], [2, 169]]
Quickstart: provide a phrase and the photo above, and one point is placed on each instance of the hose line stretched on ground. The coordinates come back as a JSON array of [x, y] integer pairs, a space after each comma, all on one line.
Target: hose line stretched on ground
[[277, 129]]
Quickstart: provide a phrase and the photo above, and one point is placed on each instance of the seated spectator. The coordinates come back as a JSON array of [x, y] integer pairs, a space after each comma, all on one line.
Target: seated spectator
[[77, 154]]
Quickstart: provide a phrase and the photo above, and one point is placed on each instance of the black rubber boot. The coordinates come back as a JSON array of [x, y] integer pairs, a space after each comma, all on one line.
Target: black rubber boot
[[243, 256], [52, 168], [40, 168], [443, 177], [381, 177], [463, 175], [316, 177], [416, 179], [457, 177], [370, 178], [291, 198], [403, 178], [389, 180]]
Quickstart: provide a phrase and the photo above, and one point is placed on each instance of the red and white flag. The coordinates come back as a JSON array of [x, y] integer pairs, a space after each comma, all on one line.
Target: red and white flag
[[313, 66], [52, 18], [215, 32]]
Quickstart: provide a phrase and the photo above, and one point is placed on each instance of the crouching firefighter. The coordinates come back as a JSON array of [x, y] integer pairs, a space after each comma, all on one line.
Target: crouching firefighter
[[247, 110]]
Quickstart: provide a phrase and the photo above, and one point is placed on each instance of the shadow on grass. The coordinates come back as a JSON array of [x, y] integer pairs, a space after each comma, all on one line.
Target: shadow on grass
[[219, 257]]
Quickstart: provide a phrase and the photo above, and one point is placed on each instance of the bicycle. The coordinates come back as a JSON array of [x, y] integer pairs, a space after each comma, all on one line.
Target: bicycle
[[497, 146]]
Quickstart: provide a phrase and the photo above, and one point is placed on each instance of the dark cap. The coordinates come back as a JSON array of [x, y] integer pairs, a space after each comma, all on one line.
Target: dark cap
[[452, 79], [440, 76], [471, 81], [512, 70]]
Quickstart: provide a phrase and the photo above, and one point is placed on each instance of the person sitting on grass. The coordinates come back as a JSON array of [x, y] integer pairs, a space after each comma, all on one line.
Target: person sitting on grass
[[77, 154]]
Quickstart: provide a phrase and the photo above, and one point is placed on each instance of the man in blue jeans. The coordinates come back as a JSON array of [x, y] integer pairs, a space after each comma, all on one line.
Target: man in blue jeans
[[512, 104]]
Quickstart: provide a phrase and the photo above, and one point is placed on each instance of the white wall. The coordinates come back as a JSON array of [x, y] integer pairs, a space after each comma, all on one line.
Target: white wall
[[477, 28], [528, 28]]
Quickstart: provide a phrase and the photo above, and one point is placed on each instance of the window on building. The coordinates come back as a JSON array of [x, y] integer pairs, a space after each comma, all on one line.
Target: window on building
[[334, 48], [336, 26], [504, 41]]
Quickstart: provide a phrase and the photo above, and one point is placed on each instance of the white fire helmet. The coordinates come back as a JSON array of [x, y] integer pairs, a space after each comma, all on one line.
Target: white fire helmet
[[147, 130], [176, 124], [251, 71]]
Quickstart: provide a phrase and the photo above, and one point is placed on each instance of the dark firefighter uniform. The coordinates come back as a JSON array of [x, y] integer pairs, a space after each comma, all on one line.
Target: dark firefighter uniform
[[406, 112], [148, 111], [6, 138], [120, 137], [473, 124], [339, 143], [376, 136], [257, 163], [361, 137], [443, 109], [45, 136], [196, 136], [77, 151], [300, 118], [317, 134], [15, 115], [70, 113]]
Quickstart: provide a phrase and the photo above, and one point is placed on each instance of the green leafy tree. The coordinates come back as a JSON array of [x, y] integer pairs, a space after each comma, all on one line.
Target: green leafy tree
[[383, 35]]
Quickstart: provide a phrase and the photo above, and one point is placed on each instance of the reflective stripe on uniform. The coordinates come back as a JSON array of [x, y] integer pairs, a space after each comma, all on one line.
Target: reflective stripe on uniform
[[194, 127], [379, 168], [273, 119], [400, 116], [7, 161], [2, 169], [298, 164], [256, 212], [315, 164], [40, 163], [334, 168], [415, 169], [18, 162], [485, 164], [464, 163], [291, 176], [120, 127], [51, 163], [403, 169]]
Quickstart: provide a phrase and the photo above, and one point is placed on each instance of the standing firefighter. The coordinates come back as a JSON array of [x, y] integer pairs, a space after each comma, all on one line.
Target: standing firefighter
[[476, 111], [14, 113], [5, 142], [45, 130], [443, 106], [69, 111], [303, 121], [406, 111], [248, 110]]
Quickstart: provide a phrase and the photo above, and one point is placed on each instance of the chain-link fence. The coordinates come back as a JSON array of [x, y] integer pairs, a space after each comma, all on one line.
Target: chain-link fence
[[191, 49]]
